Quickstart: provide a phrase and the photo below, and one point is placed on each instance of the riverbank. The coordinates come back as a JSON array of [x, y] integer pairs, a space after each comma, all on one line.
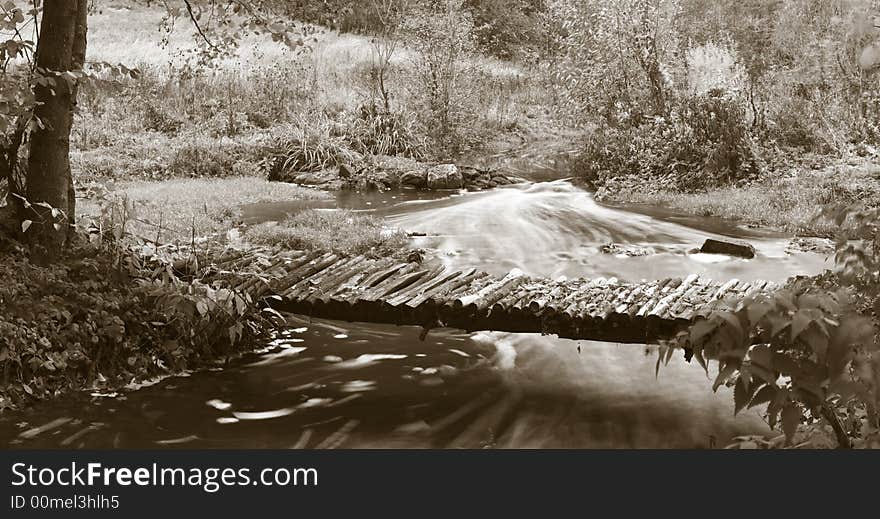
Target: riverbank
[[789, 200], [129, 302]]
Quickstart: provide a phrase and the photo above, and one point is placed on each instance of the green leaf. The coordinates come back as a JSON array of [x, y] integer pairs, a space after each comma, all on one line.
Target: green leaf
[[779, 399], [777, 324], [25, 225], [731, 319], [817, 341], [786, 365], [756, 311]]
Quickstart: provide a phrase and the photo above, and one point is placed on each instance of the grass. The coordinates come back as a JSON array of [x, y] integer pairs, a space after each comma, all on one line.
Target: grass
[[136, 128], [340, 231], [789, 203], [174, 210]]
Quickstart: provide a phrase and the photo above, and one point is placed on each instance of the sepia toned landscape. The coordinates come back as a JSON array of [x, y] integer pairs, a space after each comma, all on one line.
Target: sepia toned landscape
[[440, 224]]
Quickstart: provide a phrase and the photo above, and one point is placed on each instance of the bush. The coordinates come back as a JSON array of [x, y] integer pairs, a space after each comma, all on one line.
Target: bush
[[305, 147], [158, 120], [704, 143], [203, 160], [385, 133], [441, 86], [108, 315]]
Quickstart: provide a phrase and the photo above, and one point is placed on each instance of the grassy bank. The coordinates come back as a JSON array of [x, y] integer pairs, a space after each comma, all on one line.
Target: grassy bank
[[316, 107], [790, 202], [176, 210]]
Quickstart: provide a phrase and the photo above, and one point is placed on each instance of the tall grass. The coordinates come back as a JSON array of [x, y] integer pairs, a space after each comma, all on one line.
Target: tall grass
[[264, 98], [341, 231]]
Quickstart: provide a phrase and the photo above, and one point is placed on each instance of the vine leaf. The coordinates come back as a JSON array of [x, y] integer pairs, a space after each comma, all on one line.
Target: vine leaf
[[799, 323], [791, 418], [764, 395], [740, 396], [725, 374]]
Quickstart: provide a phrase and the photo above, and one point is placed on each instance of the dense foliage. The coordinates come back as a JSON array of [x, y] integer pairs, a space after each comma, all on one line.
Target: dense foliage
[[810, 353], [794, 75], [110, 314], [702, 143]]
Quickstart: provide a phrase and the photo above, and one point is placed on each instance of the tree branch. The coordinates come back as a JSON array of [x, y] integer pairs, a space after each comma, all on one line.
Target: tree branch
[[843, 441], [192, 17]]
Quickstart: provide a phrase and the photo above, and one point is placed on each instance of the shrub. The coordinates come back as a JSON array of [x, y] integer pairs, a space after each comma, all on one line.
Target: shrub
[[159, 120], [704, 143], [442, 36], [810, 352], [110, 314], [203, 160], [303, 148], [385, 133]]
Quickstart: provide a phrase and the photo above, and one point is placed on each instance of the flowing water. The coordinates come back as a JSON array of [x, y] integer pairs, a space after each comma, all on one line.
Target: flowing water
[[324, 384]]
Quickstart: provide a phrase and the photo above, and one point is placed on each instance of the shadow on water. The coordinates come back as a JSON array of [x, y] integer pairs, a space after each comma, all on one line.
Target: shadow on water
[[326, 384]]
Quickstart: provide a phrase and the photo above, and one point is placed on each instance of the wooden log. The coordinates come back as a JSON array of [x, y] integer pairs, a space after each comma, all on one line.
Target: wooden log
[[507, 285], [726, 287], [551, 299], [305, 272], [472, 299], [478, 282], [330, 279], [447, 283], [382, 275], [686, 300], [399, 281], [533, 292], [306, 286], [428, 281], [334, 282], [292, 269]]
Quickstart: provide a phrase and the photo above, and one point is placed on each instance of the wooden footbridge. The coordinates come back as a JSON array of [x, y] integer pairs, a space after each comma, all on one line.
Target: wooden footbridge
[[407, 290]]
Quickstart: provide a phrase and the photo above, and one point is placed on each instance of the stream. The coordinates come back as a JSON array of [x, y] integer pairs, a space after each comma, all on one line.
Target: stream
[[323, 384]]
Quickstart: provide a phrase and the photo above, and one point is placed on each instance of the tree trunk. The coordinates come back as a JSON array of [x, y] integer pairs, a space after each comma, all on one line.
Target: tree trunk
[[61, 48]]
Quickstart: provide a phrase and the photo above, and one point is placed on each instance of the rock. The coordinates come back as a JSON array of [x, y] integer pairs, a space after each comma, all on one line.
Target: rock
[[373, 181], [444, 176], [346, 171], [471, 173], [816, 245], [742, 250], [414, 178], [501, 180], [626, 250], [315, 178]]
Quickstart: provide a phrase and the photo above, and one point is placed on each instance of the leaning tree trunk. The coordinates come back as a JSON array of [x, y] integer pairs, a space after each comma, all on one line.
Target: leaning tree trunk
[[61, 49]]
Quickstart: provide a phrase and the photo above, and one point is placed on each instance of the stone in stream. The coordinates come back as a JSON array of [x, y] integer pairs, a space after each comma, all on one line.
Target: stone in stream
[[414, 178], [346, 171], [626, 250], [445, 176], [742, 250]]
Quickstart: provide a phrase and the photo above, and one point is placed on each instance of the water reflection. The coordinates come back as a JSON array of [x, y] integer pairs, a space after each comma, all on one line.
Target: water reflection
[[390, 390]]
